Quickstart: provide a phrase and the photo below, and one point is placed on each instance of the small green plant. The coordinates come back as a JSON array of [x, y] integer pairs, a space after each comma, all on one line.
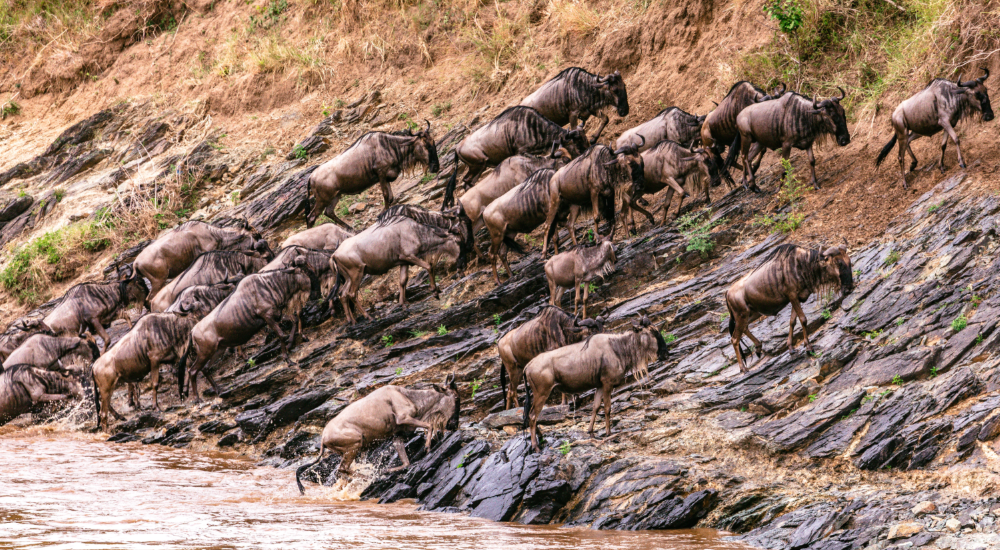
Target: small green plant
[[387, 341], [496, 319], [979, 339], [59, 194], [418, 333], [326, 111], [780, 223], [892, 258], [399, 371], [269, 15], [475, 385], [464, 458], [565, 448], [410, 124], [251, 363], [900, 321], [234, 197], [21, 193], [788, 14], [440, 108], [696, 228], [897, 380], [934, 207], [299, 152], [812, 397], [668, 338], [590, 235], [826, 313], [592, 287], [339, 103], [934, 372], [872, 335], [442, 330], [10, 108], [428, 177], [959, 323]]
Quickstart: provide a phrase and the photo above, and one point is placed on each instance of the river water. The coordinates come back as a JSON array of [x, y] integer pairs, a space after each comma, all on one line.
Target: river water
[[61, 489]]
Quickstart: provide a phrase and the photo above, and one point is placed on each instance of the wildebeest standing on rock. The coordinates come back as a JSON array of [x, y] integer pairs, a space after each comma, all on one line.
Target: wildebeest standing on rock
[[157, 339], [95, 306], [22, 386], [44, 351], [388, 412], [551, 329], [792, 121], [327, 236], [577, 268], [516, 131], [376, 157], [939, 106], [402, 236], [19, 331], [209, 268], [600, 362], [669, 165], [174, 251], [262, 299], [719, 129], [790, 274], [590, 182], [575, 94], [671, 123], [200, 300]]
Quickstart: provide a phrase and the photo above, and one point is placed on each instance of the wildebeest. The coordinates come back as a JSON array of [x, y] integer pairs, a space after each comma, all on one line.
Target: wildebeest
[[600, 362], [262, 299], [387, 412], [671, 123], [376, 157], [208, 268], [174, 251], [577, 268], [939, 106], [156, 339], [551, 329], [327, 236], [669, 165], [199, 300], [590, 182], [22, 386], [94, 306], [516, 131], [507, 175], [719, 129], [790, 274], [575, 94], [19, 331], [520, 210], [402, 236], [792, 121], [47, 352]]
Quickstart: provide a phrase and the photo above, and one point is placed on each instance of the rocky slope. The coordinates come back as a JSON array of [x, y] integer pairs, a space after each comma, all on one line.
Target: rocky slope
[[886, 436]]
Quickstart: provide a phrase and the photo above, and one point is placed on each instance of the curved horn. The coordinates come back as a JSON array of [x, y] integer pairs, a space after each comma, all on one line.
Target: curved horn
[[842, 94], [643, 138], [985, 76], [612, 162], [428, 128], [555, 146], [783, 89]]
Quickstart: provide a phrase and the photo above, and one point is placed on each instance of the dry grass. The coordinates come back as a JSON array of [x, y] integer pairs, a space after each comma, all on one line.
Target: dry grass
[[575, 18]]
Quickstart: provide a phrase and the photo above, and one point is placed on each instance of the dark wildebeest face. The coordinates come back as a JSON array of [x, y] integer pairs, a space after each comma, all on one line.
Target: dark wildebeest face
[[88, 344], [706, 165], [575, 142], [775, 94], [135, 290], [645, 325], [978, 96], [451, 389], [616, 85], [629, 160], [837, 265], [425, 149], [261, 247], [832, 109], [558, 151]]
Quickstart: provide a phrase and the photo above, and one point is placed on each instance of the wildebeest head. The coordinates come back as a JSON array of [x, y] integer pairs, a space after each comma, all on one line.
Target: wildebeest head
[[630, 161], [614, 84], [125, 272], [706, 165], [133, 290], [646, 328], [558, 151], [87, 343], [832, 109], [261, 247], [575, 141], [315, 287], [976, 91], [837, 267], [424, 148], [775, 94]]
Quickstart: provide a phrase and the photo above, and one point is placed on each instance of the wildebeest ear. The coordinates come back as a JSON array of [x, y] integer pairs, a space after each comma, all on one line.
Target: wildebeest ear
[[832, 251], [645, 322], [450, 382], [300, 261]]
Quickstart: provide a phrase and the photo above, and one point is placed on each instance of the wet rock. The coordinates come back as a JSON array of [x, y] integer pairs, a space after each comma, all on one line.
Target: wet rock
[[230, 439], [254, 383], [141, 421], [276, 203], [259, 422], [496, 491], [547, 494], [801, 426], [515, 417], [323, 413], [217, 426], [12, 207], [312, 145]]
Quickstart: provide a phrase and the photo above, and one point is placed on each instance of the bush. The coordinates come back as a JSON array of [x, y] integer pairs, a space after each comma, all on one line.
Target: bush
[[696, 228]]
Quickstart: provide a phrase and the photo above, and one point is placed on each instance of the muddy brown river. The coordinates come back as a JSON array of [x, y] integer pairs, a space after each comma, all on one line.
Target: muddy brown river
[[62, 489]]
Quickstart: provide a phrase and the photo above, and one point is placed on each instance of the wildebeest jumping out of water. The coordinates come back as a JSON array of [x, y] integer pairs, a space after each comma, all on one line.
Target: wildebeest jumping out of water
[[575, 95], [44, 351], [376, 157], [22, 386], [788, 276], [18, 332], [516, 131], [792, 121], [577, 268], [939, 106], [387, 412], [600, 362], [551, 329], [96, 305]]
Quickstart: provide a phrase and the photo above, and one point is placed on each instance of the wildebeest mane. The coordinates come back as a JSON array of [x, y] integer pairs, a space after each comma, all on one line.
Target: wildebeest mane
[[790, 263], [399, 212], [740, 83], [522, 115]]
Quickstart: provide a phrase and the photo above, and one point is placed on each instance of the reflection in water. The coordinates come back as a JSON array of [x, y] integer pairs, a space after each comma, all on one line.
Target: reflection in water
[[66, 490]]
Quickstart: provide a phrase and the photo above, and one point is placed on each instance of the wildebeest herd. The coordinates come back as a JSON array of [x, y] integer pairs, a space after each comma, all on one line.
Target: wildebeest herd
[[207, 287]]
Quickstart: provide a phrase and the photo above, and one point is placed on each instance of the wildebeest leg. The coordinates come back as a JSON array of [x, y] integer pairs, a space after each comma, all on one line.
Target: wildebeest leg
[[473, 173], [349, 455], [904, 145], [434, 287], [594, 197], [797, 312], [271, 324], [553, 289], [420, 262], [597, 406], [574, 213], [812, 166], [155, 381], [607, 409], [386, 187], [331, 212], [134, 395], [586, 294], [541, 395], [909, 149], [576, 296], [946, 124], [401, 451], [506, 266], [748, 181], [404, 276], [96, 326]]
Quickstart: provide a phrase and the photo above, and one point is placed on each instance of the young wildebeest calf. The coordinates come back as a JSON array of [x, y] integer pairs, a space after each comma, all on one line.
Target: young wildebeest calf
[[376, 157], [47, 352], [402, 236], [789, 275], [95, 306], [600, 362], [669, 165], [577, 268], [21, 386], [327, 236], [551, 329], [209, 268], [387, 412], [941, 105]]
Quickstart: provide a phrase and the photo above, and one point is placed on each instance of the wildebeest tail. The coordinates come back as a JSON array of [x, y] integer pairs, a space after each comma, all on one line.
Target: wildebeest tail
[[308, 196], [885, 150], [734, 151], [182, 367], [503, 383], [97, 399], [301, 469], [513, 245], [527, 404], [449, 190]]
